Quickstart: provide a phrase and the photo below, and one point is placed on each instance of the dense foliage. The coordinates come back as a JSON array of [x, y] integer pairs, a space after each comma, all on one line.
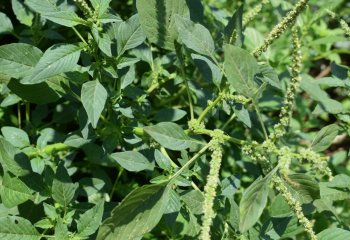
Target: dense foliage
[[174, 119]]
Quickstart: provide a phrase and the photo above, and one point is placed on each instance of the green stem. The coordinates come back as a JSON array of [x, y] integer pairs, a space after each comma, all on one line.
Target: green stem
[[209, 107], [228, 121], [257, 109], [49, 149], [27, 113], [19, 116], [189, 163], [226, 137], [121, 170], [79, 35]]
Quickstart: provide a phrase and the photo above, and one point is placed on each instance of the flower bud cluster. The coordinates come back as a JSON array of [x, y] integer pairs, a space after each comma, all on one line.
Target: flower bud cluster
[[317, 162], [284, 159], [84, 7], [212, 182], [194, 125], [235, 98], [295, 205], [254, 12], [277, 31]]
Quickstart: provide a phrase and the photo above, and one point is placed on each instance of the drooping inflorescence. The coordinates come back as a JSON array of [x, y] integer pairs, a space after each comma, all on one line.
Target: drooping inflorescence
[[276, 32]]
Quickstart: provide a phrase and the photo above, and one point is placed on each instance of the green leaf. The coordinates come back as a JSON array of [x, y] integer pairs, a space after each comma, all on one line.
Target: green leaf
[[6, 25], [241, 68], [253, 202], [303, 187], [340, 181], [13, 191], [169, 115], [63, 190], [41, 93], [13, 161], [170, 135], [132, 161], [18, 59], [56, 11], [162, 160], [209, 70], [90, 220], [59, 58], [17, 228], [17, 137], [310, 86], [130, 34], [333, 234], [22, 12], [324, 138], [137, 214], [156, 19], [100, 6], [195, 36], [331, 193], [233, 32], [93, 97]]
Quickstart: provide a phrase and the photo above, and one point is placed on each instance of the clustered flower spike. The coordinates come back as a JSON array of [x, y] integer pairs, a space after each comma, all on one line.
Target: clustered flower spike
[[84, 7], [342, 23], [212, 182], [295, 205], [254, 12], [317, 162], [276, 32], [287, 109]]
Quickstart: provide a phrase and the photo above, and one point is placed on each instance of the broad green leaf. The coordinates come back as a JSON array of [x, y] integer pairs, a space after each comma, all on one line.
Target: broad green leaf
[[130, 34], [194, 200], [17, 228], [242, 114], [22, 12], [313, 89], [334, 234], [340, 181], [137, 214], [241, 68], [269, 75], [93, 97], [303, 187], [209, 70], [340, 71], [57, 59], [100, 6], [156, 19], [253, 202], [6, 25], [90, 220], [195, 36], [282, 227], [233, 32], [13, 191], [17, 137], [132, 161], [41, 93], [18, 59], [162, 160], [331, 193], [13, 161], [63, 190], [324, 138], [170, 135], [55, 11], [169, 115]]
